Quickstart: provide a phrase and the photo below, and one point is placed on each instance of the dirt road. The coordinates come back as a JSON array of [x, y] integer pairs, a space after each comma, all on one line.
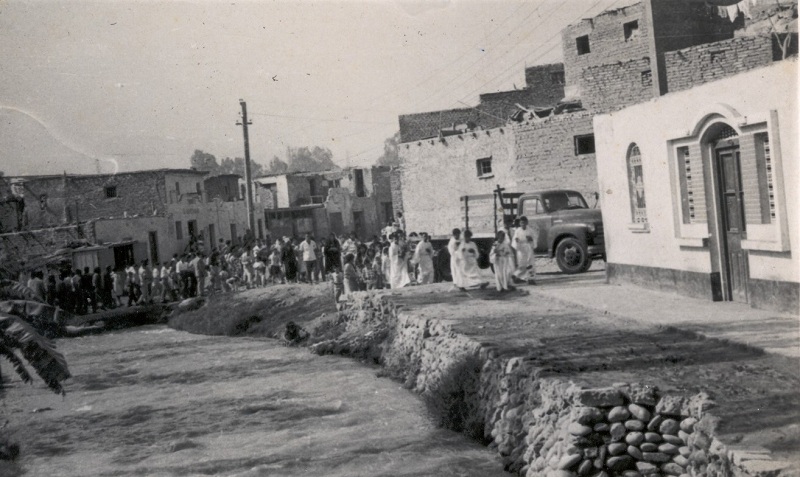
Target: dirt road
[[155, 401]]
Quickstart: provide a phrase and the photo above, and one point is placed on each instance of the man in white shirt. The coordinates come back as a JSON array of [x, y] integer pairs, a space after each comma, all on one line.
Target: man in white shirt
[[308, 247]]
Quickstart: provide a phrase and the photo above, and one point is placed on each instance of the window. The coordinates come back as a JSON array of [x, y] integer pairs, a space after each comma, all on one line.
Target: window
[[685, 177], [531, 207], [197, 186], [766, 186], [484, 167], [178, 230], [636, 185], [582, 42], [631, 30], [584, 144], [111, 192], [557, 77], [178, 188], [359, 178], [647, 78]]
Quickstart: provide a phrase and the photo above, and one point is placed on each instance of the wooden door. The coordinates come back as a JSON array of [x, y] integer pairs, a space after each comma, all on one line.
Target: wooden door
[[731, 199]]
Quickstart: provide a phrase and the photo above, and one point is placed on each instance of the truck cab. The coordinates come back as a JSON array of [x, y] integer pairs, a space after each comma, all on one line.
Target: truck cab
[[568, 229]]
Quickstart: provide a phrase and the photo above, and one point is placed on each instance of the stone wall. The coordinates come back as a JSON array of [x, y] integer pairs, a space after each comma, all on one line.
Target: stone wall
[[700, 64], [540, 426], [546, 158]]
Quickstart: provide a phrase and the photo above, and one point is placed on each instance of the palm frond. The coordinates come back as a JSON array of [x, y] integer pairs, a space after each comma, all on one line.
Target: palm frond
[[14, 290], [19, 366], [45, 318], [37, 350]]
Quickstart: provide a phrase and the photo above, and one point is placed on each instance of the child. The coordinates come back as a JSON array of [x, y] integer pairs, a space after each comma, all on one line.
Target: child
[[337, 282], [368, 275], [386, 267], [377, 270], [350, 274], [275, 274], [502, 257]]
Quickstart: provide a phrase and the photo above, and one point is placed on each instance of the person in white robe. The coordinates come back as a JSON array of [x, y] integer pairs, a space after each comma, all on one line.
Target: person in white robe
[[398, 264], [470, 272], [524, 242], [423, 256], [502, 257], [455, 265]]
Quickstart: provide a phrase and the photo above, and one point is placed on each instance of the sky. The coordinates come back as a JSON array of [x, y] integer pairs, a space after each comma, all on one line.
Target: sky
[[128, 85]]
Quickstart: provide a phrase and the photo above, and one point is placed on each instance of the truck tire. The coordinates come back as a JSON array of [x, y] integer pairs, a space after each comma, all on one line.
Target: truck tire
[[572, 256]]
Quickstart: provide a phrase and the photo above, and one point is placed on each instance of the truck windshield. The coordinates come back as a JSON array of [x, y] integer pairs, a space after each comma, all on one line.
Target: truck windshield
[[555, 201]]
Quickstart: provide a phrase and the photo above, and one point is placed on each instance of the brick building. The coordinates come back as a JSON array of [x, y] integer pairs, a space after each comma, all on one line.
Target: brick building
[[706, 205], [607, 66], [145, 214], [349, 200]]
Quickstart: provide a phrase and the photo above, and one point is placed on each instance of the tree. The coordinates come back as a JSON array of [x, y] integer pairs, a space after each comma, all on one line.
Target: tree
[[390, 155], [19, 310], [277, 166], [203, 161], [303, 159]]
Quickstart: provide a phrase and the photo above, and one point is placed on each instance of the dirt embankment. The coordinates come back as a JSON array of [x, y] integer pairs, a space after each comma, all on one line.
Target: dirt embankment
[[258, 312]]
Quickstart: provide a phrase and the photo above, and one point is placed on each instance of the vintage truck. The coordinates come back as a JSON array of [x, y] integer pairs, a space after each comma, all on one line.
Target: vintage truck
[[568, 230]]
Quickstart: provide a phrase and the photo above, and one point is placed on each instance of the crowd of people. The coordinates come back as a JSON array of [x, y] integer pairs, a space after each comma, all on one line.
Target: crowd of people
[[391, 260]]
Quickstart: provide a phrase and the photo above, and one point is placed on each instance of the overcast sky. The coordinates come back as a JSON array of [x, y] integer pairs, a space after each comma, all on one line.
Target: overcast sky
[[137, 85]]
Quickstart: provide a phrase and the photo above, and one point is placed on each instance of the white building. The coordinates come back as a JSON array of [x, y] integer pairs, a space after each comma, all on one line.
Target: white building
[[700, 189]]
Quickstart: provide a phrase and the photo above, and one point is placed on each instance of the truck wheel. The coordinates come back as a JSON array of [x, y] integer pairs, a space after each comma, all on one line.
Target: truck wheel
[[572, 256]]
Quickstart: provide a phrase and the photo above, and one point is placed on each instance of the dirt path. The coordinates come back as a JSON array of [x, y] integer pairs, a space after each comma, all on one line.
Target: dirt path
[[154, 401]]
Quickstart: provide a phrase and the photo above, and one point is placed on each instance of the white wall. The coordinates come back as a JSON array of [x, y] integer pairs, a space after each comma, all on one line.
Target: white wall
[[767, 95]]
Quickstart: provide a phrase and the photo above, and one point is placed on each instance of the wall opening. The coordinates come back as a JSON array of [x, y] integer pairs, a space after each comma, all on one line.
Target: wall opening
[[584, 144], [582, 44], [631, 30]]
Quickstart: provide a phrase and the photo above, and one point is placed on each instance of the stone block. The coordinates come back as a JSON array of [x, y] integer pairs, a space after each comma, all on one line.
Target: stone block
[[600, 397]]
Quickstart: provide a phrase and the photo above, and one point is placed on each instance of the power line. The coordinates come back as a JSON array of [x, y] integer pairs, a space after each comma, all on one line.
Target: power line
[[538, 57], [457, 58], [308, 118], [469, 77]]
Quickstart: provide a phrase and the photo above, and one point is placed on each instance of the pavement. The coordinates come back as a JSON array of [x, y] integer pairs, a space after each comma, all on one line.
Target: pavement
[[773, 332]]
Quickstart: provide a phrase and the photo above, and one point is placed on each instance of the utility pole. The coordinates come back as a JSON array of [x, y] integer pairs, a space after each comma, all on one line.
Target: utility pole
[[247, 177]]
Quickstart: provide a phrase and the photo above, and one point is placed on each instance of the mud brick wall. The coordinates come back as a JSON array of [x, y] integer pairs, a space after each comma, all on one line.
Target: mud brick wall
[[615, 86], [418, 126], [703, 63], [606, 42], [436, 173], [545, 155], [55, 200], [541, 80]]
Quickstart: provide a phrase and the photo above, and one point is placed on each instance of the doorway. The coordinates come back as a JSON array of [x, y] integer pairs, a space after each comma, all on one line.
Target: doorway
[[153, 239], [732, 225]]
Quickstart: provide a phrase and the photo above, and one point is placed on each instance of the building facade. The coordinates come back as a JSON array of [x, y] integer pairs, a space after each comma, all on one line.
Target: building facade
[[706, 206], [357, 200], [136, 215]]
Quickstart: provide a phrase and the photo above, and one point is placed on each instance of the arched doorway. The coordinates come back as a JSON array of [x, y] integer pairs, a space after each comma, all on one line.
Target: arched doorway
[[722, 143]]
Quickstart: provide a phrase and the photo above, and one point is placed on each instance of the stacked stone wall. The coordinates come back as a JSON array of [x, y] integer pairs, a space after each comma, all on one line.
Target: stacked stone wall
[[414, 127], [540, 426], [700, 64]]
